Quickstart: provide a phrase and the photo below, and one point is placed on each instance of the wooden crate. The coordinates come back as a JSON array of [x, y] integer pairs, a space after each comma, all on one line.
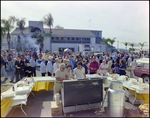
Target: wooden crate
[[55, 110]]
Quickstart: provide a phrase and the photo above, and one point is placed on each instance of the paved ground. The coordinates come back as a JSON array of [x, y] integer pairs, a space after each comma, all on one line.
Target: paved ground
[[39, 106]]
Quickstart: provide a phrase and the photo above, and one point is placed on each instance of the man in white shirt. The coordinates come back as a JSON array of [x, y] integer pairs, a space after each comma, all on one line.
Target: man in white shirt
[[79, 71], [61, 74], [49, 66], [109, 64]]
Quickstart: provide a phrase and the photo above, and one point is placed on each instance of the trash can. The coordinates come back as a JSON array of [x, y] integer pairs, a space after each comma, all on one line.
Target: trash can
[[116, 99]]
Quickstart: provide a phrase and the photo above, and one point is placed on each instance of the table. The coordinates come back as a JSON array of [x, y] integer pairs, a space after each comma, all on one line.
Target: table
[[137, 92], [5, 106], [43, 83], [22, 99]]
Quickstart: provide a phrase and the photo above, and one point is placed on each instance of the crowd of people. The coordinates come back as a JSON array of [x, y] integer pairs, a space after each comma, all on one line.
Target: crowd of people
[[63, 65]]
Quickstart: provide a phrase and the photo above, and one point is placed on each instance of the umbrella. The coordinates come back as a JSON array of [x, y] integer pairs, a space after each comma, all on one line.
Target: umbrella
[[67, 50]]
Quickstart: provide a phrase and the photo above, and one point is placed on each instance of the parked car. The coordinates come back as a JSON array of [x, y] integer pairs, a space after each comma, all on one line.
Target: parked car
[[142, 69]]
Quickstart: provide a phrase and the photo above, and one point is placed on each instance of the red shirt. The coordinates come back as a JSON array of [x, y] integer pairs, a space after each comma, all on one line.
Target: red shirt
[[94, 65], [40, 55]]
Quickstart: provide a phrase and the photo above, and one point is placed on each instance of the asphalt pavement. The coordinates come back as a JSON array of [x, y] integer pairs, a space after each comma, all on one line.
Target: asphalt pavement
[[39, 106]]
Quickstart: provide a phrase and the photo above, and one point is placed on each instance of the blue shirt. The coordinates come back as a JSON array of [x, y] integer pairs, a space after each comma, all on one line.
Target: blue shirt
[[86, 69], [72, 61], [42, 68], [32, 63], [122, 72], [114, 58], [117, 69], [28, 57], [49, 67], [2, 61]]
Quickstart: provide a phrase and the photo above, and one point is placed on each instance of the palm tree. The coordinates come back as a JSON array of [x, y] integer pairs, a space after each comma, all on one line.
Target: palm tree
[[132, 45], [105, 41], [126, 44], [111, 41], [21, 27], [58, 27], [142, 44], [3, 33], [7, 26], [48, 21]]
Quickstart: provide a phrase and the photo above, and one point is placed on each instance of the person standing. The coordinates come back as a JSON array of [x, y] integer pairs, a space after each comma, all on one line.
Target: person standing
[[9, 58], [72, 62], [109, 64], [69, 71], [100, 59], [6, 61], [122, 68], [77, 60], [28, 70], [43, 68], [19, 65], [79, 71], [103, 67], [56, 66], [33, 66], [93, 66], [50, 66], [14, 70], [61, 74], [85, 66], [26, 61], [3, 71], [131, 68], [116, 68], [28, 57]]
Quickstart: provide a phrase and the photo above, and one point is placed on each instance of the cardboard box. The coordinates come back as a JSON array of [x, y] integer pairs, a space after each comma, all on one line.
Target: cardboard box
[[55, 110]]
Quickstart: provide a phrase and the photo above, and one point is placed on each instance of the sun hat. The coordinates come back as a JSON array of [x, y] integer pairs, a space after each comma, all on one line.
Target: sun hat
[[50, 57]]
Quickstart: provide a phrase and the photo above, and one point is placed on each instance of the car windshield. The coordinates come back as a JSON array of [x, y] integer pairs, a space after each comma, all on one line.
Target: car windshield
[[139, 65]]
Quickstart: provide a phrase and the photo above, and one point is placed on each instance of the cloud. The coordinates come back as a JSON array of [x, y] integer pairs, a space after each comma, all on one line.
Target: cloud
[[125, 20]]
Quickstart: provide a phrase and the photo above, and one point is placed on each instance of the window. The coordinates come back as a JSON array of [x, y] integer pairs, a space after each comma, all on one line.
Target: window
[[18, 37], [146, 66], [72, 38], [77, 38], [68, 38], [62, 38], [52, 38], [88, 39], [84, 39], [139, 65], [57, 38]]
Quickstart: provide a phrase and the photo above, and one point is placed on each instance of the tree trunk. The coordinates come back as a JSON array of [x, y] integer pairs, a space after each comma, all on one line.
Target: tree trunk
[[22, 40], [9, 47], [50, 42]]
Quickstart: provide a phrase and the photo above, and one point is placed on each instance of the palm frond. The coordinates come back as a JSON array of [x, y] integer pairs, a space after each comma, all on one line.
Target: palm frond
[[47, 35]]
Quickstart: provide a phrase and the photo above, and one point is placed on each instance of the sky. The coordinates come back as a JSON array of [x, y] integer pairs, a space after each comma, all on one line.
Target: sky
[[128, 21]]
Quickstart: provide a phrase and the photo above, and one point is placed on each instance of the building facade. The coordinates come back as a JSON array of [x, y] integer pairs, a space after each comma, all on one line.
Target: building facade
[[60, 39]]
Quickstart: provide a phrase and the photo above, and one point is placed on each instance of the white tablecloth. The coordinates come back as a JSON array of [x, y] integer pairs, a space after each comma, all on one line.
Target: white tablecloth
[[44, 79], [135, 88]]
